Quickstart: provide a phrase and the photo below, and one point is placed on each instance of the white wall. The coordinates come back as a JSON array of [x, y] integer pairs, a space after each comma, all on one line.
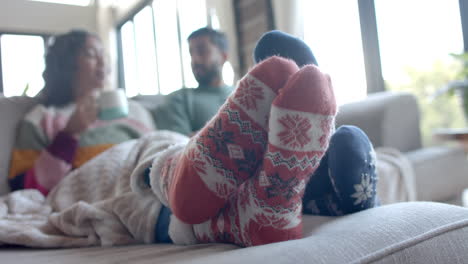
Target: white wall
[[37, 17], [124, 7], [288, 16]]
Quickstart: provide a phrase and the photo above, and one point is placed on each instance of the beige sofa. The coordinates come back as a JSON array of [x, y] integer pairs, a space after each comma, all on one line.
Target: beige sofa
[[409, 232]]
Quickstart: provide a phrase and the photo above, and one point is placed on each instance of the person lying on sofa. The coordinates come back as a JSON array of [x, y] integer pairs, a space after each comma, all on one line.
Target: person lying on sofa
[[63, 131], [187, 110]]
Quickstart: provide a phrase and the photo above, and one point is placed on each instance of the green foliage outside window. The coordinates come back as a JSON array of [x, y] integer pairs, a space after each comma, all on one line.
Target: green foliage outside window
[[436, 112]]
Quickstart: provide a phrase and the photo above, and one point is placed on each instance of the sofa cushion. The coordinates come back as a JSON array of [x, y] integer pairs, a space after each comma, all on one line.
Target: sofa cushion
[[12, 110], [415, 232], [390, 119], [441, 172]]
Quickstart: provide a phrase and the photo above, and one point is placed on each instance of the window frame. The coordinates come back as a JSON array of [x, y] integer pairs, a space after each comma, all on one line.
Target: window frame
[[370, 42], [130, 17], [369, 36], [464, 21]]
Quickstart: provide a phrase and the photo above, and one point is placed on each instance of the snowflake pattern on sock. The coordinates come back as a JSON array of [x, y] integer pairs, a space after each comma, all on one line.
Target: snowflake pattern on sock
[[267, 207], [220, 157]]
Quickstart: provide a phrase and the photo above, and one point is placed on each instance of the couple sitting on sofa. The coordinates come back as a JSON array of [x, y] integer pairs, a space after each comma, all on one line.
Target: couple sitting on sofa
[[269, 149]]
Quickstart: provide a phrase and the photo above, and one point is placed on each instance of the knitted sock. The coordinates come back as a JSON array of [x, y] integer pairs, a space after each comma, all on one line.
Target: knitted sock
[[348, 176], [229, 149], [267, 208], [284, 45], [319, 198], [319, 191]]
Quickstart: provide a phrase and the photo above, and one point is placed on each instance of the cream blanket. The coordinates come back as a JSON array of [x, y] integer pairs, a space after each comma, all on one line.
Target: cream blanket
[[103, 203], [106, 202], [396, 177]]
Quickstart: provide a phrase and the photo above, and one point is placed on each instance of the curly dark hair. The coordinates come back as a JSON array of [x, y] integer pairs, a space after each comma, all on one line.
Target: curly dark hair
[[61, 65]]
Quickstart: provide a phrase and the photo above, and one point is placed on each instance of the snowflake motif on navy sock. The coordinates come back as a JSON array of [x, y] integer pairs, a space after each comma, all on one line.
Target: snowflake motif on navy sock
[[280, 187], [220, 138], [250, 163], [363, 190]]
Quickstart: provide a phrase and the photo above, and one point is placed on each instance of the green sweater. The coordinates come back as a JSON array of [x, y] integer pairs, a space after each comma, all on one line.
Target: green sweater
[[187, 110]]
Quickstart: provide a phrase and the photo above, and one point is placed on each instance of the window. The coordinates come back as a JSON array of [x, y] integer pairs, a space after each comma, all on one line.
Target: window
[[416, 38], [155, 53], [334, 36], [129, 58], [22, 64], [145, 52], [168, 48], [406, 46], [415, 45]]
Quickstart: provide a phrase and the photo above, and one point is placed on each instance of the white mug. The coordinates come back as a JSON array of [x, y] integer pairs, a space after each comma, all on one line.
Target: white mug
[[113, 104]]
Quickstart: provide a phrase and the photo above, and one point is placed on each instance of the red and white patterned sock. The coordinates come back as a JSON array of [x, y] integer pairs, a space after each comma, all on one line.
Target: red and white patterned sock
[[229, 149], [268, 208]]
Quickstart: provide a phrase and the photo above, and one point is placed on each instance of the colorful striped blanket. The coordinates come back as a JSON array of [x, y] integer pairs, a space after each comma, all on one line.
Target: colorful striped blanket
[[43, 154]]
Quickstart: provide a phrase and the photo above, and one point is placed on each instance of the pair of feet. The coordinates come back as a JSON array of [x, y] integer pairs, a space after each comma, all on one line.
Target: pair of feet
[[241, 179], [346, 180]]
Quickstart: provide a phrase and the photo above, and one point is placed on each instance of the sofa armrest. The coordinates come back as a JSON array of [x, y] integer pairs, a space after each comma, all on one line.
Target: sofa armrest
[[390, 119], [440, 172], [12, 110]]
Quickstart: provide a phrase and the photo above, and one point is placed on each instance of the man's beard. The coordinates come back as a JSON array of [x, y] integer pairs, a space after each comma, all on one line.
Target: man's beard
[[208, 74]]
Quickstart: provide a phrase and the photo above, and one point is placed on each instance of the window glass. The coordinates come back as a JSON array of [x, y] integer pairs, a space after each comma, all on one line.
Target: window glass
[[334, 36], [192, 16], [22, 64], [147, 72], [155, 49], [167, 45], [129, 59], [415, 45]]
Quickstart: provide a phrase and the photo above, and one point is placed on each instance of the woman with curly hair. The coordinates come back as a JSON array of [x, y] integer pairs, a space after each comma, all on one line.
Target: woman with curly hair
[[64, 131]]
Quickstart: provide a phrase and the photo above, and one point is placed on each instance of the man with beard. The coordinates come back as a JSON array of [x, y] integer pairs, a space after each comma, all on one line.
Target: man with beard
[[187, 110]]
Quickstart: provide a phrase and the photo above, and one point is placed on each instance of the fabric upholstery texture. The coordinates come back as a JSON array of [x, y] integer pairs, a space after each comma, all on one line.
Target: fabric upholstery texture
[[389, 119], [12, 110], [413, 232], [440, 172]]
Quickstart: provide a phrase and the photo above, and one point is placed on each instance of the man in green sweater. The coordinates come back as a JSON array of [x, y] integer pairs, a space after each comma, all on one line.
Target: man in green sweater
[[187, 110]]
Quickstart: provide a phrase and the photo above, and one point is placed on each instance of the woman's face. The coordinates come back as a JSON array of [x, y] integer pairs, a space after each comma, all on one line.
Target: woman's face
[[92, 70]]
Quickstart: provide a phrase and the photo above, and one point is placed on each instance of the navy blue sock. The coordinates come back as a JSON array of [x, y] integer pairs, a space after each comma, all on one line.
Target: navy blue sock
[[345, 181], [161, 231], [284, 45], [319, 183], [319, 196]]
